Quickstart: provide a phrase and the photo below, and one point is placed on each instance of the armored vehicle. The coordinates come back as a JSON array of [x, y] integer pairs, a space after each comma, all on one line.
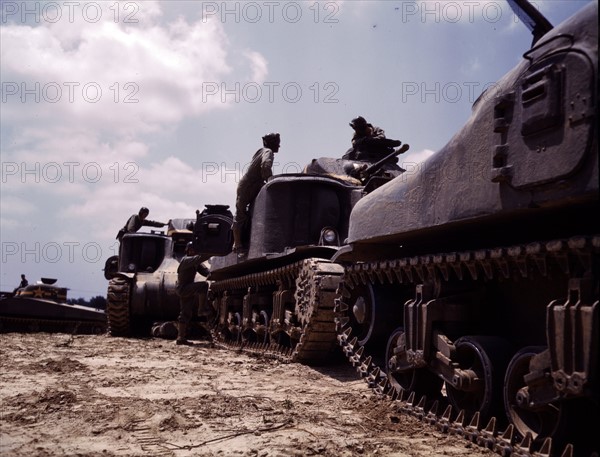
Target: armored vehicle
[[43, 307], [143, 277], [480, 271], [281, 290]]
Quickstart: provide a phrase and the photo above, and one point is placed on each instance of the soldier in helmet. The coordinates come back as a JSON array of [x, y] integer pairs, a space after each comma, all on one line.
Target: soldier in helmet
[[369, 142], [135, 222], [189, 290], [259, 171]]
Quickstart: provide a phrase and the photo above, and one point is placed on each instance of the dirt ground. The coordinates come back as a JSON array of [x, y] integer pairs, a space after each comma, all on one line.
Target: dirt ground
[[64, 395]]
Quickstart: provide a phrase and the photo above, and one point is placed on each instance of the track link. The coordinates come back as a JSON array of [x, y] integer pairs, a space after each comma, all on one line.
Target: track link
[[568, 254], [117, 307]]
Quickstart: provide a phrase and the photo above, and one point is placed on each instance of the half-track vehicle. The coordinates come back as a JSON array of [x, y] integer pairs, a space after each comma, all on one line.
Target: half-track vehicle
[[479, 272], [43, 307]]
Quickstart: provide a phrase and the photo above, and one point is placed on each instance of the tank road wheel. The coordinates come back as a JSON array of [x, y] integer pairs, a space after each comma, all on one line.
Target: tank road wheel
[[263, 327], [117, 307], [282, 339], [373, 314], [484, 359], [568, 421], [539, 422], [236, 327], [257, 332], [402, 375]]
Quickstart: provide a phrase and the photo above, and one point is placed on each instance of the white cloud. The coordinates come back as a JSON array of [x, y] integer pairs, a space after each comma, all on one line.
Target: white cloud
[[79, 102], [258, 64], [116, 77], [65, 91], [170, 188]]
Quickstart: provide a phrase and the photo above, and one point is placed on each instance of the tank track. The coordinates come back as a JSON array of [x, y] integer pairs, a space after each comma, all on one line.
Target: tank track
[[416, 269], [311, 325], [117, 307], [9, 324]]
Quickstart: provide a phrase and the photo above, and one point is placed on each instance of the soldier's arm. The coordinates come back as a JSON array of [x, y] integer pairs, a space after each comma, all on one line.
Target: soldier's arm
[[153, 223], [266, 166], [378, 133]]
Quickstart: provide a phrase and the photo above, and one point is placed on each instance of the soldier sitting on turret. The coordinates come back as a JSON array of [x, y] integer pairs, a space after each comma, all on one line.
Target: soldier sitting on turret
[[24, 283], [369, 142]]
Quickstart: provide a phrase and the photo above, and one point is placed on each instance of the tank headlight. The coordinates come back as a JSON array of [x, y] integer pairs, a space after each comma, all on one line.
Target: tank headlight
[[329, 236], [131, 267]]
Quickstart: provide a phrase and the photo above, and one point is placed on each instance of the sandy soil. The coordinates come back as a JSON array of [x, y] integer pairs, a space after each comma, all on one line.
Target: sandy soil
[[97, 396]]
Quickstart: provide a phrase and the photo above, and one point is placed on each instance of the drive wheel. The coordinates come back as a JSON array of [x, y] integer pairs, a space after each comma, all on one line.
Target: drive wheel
[[402, 375], [486, 357]]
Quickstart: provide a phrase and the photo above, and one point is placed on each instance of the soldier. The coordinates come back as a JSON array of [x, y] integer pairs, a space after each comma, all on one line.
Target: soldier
[[136, 221], [24, 283], [369, 142], [259, 171], [189, 290]]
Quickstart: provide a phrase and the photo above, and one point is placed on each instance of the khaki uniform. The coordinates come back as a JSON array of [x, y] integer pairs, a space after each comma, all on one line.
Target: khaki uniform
[[260, 169], [189, 290]]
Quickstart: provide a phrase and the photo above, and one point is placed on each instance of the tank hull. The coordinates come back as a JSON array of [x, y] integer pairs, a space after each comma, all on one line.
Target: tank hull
[[30, 314], [529, 146], [479, 271]]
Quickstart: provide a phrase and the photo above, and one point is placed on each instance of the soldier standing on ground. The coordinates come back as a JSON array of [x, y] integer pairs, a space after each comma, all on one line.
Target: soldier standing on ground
[[259, 171], [189, 290], [136, 221]]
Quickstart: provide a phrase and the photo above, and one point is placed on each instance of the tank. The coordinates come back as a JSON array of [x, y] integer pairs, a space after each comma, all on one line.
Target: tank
[[475, 280], [143, 277], [142, 298], [43, 307], [279, 293]]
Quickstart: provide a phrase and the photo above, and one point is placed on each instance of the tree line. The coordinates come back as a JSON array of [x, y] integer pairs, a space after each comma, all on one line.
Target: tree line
[[98, 302]]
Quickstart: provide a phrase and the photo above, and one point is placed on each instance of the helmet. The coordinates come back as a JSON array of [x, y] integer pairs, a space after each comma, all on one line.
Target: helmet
[[358, 123], [145, 210], [271, 140], [189, 246]]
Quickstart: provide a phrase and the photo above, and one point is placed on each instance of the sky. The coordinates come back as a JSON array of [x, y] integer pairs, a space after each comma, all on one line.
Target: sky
[[108, 106]]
